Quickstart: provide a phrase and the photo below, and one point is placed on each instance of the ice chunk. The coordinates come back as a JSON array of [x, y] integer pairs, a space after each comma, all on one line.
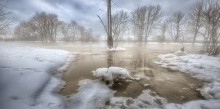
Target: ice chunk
[[103, 73], [120, 72], [112, 73]]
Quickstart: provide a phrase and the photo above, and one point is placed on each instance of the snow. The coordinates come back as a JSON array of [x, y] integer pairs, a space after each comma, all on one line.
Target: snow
[[92, 94], [116, 49], [200, 66], [199, 104], [26, 77], [147, 100], [112, 73], [203, 67], [30, 78]]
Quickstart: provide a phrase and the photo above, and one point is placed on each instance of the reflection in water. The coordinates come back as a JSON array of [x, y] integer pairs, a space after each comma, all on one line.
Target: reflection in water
[[138, 59], [110, 59]]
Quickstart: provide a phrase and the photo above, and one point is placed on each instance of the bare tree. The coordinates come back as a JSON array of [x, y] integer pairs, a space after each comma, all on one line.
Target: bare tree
[[4, 17], [39, 20], [73, 29], [47, 25], [211, 13], [163, 30], [86, 34], [144, 20], [176, 23], [109, 16], [41, 27], [52, 26], [119, 25], [64, 29], [108, 28], [152, 17], [196, 18], [82, 32], [138, 21], [26, 31]]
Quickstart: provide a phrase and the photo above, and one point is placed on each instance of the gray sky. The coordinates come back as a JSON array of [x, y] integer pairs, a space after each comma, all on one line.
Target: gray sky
[[85, 11]]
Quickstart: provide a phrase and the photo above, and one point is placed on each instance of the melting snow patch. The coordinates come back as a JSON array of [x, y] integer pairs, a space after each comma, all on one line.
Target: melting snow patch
[[203, 67]]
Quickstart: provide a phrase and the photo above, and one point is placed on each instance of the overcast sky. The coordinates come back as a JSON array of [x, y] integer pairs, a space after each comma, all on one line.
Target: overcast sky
[[86, 11]]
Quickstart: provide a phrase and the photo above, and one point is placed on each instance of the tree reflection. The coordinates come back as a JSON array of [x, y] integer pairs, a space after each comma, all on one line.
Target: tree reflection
[[139, 58], [109, 59]]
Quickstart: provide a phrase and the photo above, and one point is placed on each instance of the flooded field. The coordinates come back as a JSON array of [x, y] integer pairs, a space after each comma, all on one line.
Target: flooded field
[[138, 59]]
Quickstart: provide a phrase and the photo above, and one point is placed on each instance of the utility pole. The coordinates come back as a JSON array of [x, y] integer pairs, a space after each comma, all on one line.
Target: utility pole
[[109, 16]]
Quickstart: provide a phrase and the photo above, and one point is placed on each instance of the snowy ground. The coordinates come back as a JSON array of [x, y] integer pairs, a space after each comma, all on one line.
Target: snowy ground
[[203, 67], [27, 77]]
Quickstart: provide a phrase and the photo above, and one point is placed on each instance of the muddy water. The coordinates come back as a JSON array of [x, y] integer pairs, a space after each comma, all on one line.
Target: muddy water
[[138, 59]]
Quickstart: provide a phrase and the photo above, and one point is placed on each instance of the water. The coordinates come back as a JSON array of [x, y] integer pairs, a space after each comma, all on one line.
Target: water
[[175, 86], [138, 59]]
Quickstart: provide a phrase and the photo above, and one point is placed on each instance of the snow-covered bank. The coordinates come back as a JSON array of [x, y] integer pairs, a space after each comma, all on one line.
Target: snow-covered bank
[[203, 67], [200, 66], [26, 77]]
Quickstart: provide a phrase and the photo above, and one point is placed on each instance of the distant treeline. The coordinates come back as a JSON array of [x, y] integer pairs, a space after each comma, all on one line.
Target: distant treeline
[[47, 27], [201, 23]]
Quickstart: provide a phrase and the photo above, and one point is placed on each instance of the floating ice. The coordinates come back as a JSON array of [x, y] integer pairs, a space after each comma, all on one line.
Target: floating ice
[[111, 73], [116, 49]]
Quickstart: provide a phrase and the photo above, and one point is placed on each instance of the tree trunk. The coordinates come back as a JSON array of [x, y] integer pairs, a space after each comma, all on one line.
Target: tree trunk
[[110, 39]]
